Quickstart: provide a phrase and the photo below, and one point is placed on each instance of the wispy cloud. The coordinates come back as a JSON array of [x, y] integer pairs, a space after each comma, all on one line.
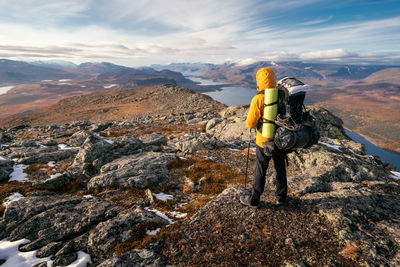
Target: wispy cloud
[[143, 32]]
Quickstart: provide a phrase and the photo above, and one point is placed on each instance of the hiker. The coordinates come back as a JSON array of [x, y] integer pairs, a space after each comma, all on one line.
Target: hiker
[[265, 148]]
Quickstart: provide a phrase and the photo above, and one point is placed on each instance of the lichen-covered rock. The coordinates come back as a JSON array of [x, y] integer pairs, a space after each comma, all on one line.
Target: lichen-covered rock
[[78, 138], [191, 143], [108, 234], [328, 124], [44, 157], [6, 168], [137, 257], [126, 145], [5, 138], [136, 170], [154, 139], [94, 153]]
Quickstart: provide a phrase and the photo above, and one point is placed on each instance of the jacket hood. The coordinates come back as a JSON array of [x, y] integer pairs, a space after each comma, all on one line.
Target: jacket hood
[[265, 79]]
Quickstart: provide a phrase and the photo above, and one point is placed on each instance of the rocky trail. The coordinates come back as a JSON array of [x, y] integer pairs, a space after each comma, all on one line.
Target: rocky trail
[[162, 189]]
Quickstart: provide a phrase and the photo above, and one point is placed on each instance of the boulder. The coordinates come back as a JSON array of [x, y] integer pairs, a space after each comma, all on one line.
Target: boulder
[[328, 124], [29, 143], [136, 170], [191, 143], [126, 145], [43, 158], [154, 139], [6, 168], [94, 153], [137, 257], [103, 239], [78, 138], [5, 138]]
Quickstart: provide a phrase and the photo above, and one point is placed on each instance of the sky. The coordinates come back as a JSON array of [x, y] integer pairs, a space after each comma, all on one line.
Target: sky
[[139, 32]]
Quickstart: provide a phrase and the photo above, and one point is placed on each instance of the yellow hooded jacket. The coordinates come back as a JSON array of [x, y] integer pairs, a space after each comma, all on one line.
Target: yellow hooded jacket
[[265, 79]]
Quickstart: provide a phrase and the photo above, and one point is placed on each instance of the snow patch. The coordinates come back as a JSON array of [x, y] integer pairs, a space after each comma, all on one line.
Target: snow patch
[[2, 158], [233, 149], [64, 147], [331, 146], [109, 85], [160, 214], [40, 145], [177, 214], [88, 196], [47, 80], [18, 173], [163, 197], [109, 141], [82, 261], [5, 89], [14, 258], [395, 175], [64, 80], [53, 176], [153, 232], [14, 197], [83, 86], [51, 164]]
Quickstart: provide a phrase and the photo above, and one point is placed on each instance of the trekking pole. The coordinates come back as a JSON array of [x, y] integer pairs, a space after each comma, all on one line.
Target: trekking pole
[[247, 162]]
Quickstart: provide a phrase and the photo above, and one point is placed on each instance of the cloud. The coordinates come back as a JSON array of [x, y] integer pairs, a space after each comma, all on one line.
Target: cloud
[[318, 21], [326, 54]]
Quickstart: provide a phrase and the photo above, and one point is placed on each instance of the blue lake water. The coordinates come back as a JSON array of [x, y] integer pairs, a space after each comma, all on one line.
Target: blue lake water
[[235, 95], [386, 156]]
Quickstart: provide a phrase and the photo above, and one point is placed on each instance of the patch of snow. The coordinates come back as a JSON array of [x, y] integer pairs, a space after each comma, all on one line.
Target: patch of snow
[[82, 261], [186, 135], [180, 205], [109, 141], [51, 163], [2, 158], [177, 214], [307, 68], [64, 84], [109, 85], [163, 197], [5, 89], [53, 176], [64, 147], [182, 158], [153, 232], [395, 175], [15, 159], [18, 173], [14, 258], [233, 149], [96, 134], [47, 80], [40, 145], [273, 63], [160, 214], [64, 80], [88, 196], [331, 146], [83, 86], [14, 197], [371, 157]]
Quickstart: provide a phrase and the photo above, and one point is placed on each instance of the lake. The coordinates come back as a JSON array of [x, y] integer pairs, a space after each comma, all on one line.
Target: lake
[[372, 149], [228, 95]]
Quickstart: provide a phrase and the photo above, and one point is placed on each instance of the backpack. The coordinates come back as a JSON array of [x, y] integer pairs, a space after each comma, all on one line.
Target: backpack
[[295, 126]]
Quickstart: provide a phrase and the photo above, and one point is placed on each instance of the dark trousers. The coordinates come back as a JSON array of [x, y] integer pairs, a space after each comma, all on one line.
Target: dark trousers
[[262, 162]]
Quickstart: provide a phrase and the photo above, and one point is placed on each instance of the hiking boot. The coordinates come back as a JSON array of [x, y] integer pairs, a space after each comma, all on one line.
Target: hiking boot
[[247, 202]]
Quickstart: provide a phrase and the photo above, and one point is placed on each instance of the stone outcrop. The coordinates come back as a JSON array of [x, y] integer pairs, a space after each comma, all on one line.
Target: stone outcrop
[[191, 143], [133, 171], [6, 168]]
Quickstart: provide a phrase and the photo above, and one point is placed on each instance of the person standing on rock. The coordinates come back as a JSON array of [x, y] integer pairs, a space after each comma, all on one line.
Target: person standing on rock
[[265, 150]]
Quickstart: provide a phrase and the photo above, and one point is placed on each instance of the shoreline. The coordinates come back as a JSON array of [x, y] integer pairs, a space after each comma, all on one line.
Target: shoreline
[[372, 141]]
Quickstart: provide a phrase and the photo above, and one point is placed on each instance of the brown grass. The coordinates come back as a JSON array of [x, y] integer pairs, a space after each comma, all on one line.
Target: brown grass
[[350, 251], [138, 238]]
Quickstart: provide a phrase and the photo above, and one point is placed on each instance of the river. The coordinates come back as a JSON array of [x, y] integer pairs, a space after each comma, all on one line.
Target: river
[[236, 95]]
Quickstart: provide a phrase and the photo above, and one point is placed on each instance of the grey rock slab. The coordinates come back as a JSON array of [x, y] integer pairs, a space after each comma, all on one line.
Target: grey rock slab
[[44, 158], [154, 139], [6, 168], [136, 170], [78, 138], [191, 143], [137, 257], [108, 234]]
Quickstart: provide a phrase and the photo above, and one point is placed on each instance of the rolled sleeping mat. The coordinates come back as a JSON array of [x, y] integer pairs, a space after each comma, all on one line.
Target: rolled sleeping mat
[[270, 112]]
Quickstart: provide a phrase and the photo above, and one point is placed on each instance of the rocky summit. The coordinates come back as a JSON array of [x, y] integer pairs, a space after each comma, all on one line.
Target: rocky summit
[[162, 188]]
